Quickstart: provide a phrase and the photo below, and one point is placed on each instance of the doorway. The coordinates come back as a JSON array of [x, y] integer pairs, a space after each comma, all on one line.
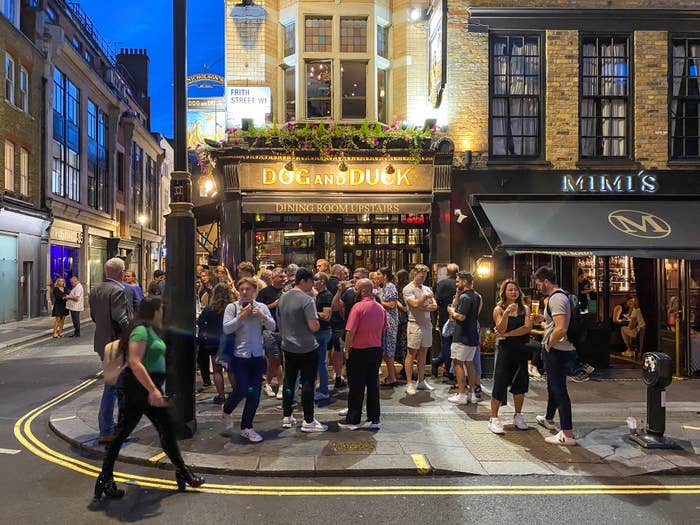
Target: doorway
[[26, 289]]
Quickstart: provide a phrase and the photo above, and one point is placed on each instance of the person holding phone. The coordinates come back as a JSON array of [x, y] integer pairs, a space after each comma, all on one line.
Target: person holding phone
[[140, 389]]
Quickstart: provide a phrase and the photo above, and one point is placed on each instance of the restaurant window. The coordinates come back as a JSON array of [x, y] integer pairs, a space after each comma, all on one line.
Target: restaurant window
[[516, 96], [383, 41], [318, 34], [382, 76], [605, 96], [685, 98], [289, 95], [353, 35], [23, 100], [24, 171], [289, 35], [9, 166], [354, 83], [9, 78], [319, 94]]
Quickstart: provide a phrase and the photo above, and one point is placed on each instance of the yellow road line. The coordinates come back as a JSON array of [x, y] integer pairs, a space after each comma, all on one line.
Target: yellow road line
[[57, 419], [691, 427], [422, 465], [157, 457], [24, 435]]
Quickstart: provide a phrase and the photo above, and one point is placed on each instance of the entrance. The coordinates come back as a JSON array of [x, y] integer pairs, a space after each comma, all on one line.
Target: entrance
[[27, 289], [370, 241], [8, 278]]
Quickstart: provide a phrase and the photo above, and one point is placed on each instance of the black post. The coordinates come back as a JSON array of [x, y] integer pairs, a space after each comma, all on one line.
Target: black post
[[180, 238]]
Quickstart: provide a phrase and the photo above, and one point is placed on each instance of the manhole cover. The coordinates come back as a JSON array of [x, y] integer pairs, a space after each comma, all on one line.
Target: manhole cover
[[352, 446]]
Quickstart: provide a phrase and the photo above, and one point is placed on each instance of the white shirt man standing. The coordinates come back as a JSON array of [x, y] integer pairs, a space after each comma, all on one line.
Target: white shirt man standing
[[75, 303], [421, 303]]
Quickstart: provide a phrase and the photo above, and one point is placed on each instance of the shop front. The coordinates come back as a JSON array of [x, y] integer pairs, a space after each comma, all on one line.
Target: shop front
[[609, 236], [363, 211], [65, 251]]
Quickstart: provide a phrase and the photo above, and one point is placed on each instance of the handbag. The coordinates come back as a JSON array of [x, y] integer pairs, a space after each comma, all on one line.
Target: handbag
[[448, 329], [114, 362]]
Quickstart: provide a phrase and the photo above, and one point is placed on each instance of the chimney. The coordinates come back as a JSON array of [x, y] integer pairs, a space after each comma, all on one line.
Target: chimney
[[136, 62]]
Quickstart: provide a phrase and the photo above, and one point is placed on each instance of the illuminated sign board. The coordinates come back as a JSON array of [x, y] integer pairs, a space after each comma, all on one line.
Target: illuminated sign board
[[248, 102]]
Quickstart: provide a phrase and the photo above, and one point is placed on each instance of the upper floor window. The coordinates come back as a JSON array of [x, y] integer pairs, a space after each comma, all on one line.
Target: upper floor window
[[383, 41], [318, 34], [319, 94], [289, 95], [516, 101], [605, 96], [9, 9], [23, 100], [354, 84], [289, 39], [65, 169], [51, 15], [137, 179], [685, 98], [9, 166], [353, 35], [23, 171], [9, 78]]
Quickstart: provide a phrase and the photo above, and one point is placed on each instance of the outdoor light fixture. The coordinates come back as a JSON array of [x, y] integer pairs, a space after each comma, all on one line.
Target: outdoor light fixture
[[416, 14], [389, 170], [342, 167], [484, 267], [467, 158], [289, 166], [141, 219]]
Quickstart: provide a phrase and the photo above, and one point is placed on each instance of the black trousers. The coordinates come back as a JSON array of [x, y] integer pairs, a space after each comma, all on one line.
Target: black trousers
[[75, 317], [363, 374], [203, 363], [134, 404], [305, 365]]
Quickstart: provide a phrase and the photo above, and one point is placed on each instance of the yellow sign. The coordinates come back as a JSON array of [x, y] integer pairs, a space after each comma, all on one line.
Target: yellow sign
[[325, 177]]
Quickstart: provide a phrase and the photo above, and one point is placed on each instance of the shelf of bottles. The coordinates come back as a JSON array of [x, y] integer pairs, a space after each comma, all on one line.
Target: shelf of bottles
[[621, 272]]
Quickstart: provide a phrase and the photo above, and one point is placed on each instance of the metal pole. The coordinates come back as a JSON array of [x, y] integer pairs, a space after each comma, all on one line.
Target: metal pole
[[141, 266], [180, 228]]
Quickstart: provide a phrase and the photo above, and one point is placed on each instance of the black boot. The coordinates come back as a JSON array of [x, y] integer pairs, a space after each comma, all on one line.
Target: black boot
[[184, 475], [106, 486]]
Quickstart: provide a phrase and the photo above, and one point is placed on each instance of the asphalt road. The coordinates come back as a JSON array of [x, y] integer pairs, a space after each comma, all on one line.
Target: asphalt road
[[35, 490]]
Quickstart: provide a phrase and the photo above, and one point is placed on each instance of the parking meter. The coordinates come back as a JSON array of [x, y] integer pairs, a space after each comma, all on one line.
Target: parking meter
[[657, 374]]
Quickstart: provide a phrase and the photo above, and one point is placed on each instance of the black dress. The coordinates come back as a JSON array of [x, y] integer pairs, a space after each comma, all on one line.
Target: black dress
[[59, 303]]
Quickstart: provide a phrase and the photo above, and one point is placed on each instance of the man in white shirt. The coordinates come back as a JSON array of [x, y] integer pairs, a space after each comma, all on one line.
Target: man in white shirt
[[75, 303]]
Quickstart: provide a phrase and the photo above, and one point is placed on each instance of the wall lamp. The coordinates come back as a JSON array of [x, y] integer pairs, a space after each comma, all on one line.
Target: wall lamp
[[467, 158], [484, 267]]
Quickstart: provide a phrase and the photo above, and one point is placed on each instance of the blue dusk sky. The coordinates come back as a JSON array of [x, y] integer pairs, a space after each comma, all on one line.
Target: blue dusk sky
[[148, 24]]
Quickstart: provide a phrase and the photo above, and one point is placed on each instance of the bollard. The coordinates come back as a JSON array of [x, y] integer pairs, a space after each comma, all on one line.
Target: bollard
[[657, 374]]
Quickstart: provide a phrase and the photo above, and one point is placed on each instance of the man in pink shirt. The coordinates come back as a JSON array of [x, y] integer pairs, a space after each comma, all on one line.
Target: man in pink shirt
[[363, 351]]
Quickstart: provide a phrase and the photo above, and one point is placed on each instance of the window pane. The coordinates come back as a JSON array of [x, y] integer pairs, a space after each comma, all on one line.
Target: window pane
[[353, 35], [354, 82], [289, 95], [319, 76], [685, 98], [318, 34], [289, 35], [382, 95], [383, 41]]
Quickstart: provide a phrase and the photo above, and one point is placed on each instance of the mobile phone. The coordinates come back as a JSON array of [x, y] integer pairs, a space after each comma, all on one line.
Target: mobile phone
[[244, 305]]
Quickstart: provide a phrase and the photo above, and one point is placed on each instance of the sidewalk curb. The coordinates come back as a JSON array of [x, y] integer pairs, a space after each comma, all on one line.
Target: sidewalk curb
[[31, 338]]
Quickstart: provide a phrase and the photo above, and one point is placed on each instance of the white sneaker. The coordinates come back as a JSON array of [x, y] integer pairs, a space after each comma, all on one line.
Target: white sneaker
[[542, 421], [348, 426], [471, 398], [561, 439], [519, 422], [251, 435], [319, 396], [343, 412], [410, 389], [495, 426], [314, 426], [227, 420], [288, 422], [374, 426], [424, 385], [267, 390], [458, 399], [279, 393]]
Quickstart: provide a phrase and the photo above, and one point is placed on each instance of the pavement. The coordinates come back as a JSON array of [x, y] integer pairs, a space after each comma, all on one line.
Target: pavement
[[420, 435], [31, 330]]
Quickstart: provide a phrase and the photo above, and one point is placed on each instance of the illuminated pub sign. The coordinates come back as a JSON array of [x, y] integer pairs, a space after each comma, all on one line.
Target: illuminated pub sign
[[325, 177]]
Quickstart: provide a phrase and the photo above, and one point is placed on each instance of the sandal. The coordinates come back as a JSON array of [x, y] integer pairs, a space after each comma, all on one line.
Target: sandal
[[387, 384]]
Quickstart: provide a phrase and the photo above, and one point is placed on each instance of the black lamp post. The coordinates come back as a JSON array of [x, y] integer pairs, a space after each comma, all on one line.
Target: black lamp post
[[180, 240]]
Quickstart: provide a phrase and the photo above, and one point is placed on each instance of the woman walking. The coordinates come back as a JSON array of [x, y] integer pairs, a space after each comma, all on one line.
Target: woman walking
[[246, 319], [210, 326], [389, 297], [140, 391], [402, 279], [513, 322], [59, 311]]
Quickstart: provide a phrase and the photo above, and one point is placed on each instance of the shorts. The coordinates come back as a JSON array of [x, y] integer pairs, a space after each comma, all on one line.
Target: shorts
[[272, 344], [419, 336], [462, 352], [510, 370], [337, 343]]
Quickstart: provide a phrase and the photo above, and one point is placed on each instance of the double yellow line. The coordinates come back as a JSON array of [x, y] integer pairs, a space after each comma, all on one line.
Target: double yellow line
[[23, 433]]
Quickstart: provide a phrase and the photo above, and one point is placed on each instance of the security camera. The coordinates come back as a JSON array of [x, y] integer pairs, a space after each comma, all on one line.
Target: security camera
[[460, 216]]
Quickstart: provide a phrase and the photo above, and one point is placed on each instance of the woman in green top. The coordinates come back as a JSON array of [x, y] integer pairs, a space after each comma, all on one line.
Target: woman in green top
[[140, 393]]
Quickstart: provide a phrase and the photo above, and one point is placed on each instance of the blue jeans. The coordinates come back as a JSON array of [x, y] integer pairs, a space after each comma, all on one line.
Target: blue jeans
[[477, 364], [105, 418], [323, 337], [445, 354], [248, 373], [558, 363]]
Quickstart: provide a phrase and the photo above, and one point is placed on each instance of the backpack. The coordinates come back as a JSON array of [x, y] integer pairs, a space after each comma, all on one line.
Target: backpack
[[575, 332], [114, 362]]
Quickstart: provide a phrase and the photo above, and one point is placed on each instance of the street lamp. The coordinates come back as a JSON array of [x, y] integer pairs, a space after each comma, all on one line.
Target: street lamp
[[141, 220]]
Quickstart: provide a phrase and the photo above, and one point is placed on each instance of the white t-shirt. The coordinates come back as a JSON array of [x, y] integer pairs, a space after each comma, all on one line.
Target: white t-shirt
[[79, 305], [411, 291]]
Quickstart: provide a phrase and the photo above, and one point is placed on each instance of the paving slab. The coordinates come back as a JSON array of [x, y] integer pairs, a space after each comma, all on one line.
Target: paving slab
[[515, 468]]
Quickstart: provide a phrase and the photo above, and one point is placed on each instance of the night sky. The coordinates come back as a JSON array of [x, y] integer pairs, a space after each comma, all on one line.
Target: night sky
[[148, 24]]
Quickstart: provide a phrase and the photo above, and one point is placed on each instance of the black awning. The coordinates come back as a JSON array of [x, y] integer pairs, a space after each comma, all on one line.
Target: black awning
[[654, 228]]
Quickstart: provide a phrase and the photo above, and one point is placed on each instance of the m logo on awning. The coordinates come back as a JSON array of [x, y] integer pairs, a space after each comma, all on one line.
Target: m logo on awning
[[639, 224]]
